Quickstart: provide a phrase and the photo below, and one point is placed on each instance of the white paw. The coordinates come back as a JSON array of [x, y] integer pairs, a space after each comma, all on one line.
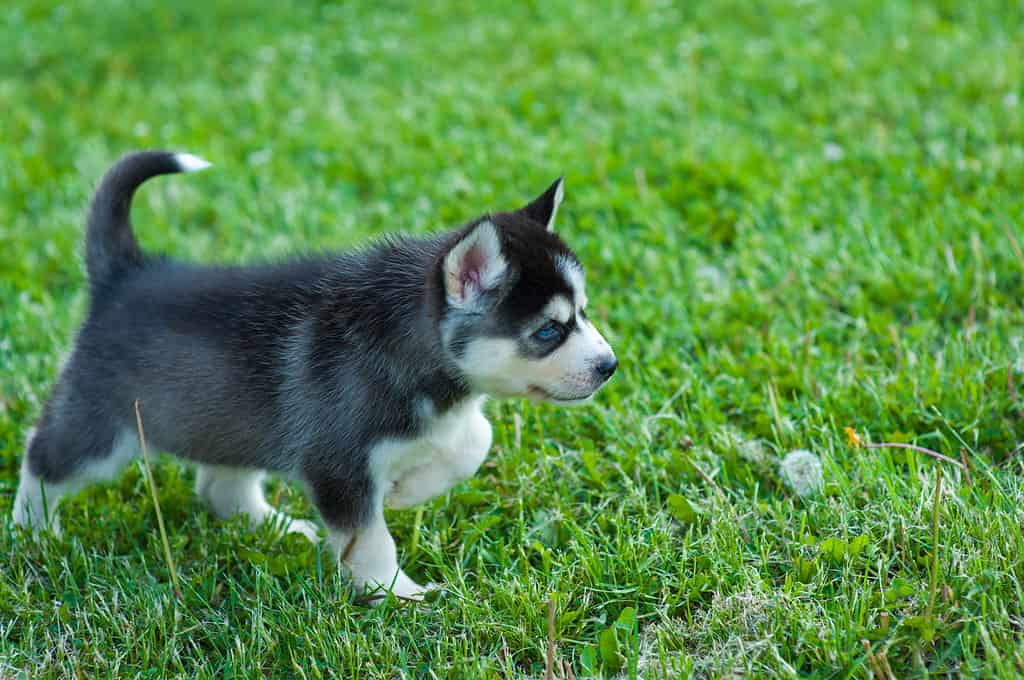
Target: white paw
[[402, 587], [36, 523], [282, 524], [306, 528], [36, 530], [407, 589]]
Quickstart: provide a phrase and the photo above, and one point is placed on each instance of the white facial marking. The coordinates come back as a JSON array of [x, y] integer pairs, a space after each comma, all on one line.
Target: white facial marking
[[497, 366], [559, 308], [573, 274], [568, 374]]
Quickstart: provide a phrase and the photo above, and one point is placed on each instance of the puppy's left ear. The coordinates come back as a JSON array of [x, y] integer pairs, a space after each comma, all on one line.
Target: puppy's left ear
[[474, 265], [544, 208]]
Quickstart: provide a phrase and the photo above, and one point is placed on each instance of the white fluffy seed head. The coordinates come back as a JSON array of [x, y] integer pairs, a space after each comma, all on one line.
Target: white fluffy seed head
[[802, 471]]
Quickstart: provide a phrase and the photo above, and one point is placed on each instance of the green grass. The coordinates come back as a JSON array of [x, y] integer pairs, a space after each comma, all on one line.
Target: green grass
[[809, 204]]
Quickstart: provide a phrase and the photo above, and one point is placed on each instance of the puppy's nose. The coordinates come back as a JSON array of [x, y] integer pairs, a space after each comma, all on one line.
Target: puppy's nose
[[606, 366]]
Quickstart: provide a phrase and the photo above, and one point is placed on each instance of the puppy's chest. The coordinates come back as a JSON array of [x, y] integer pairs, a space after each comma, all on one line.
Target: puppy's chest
[[462, 433]]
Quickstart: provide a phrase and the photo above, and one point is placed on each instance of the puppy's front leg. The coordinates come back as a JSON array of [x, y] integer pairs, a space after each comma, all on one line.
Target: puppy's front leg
[[455, 459], [432, 479], [354, 513], [371, 559]]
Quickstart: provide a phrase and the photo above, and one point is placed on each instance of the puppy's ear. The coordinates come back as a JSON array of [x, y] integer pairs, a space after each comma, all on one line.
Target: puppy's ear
[[544, 208], [474, 265]]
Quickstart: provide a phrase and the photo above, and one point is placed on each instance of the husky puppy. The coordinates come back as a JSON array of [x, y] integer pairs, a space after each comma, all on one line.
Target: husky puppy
[[360, 374]]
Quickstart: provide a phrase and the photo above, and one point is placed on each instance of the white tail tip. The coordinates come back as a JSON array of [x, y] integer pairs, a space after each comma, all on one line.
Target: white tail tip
[[189, 163]]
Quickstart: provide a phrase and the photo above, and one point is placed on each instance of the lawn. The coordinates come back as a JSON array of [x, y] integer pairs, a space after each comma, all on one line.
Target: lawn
[[797, 217]]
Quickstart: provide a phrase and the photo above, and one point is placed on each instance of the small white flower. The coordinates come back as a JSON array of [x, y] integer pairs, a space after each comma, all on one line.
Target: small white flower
[[833, 152]]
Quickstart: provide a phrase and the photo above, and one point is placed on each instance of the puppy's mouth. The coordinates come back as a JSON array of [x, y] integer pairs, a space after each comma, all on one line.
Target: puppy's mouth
[[540, 394]]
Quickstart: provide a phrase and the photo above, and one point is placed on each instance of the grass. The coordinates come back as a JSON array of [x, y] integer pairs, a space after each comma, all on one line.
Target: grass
[[797, 217]]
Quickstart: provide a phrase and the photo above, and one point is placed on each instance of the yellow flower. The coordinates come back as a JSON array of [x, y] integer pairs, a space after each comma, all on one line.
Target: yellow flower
[[852, 438]]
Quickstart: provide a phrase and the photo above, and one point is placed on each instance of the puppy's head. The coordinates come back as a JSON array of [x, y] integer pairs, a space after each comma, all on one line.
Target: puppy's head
[[514, 312]]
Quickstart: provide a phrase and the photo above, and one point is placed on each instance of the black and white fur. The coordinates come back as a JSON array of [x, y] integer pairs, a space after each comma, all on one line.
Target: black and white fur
[[360, 374]]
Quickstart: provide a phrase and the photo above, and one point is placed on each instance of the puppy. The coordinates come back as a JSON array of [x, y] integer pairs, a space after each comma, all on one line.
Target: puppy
[[361, 374]]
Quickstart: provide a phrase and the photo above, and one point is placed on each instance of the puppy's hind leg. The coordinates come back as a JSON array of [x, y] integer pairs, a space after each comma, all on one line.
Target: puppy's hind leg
[[35, 504], [231, 491], [60, 460]]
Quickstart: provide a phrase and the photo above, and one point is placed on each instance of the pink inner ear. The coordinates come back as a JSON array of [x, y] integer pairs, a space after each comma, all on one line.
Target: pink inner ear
[[470, 269]]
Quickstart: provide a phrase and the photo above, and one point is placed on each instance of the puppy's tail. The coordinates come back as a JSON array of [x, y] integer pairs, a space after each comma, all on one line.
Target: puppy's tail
[[110, 244]]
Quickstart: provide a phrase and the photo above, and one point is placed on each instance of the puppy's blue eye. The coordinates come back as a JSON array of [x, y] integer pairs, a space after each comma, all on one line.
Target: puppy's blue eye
[[549, 332]]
